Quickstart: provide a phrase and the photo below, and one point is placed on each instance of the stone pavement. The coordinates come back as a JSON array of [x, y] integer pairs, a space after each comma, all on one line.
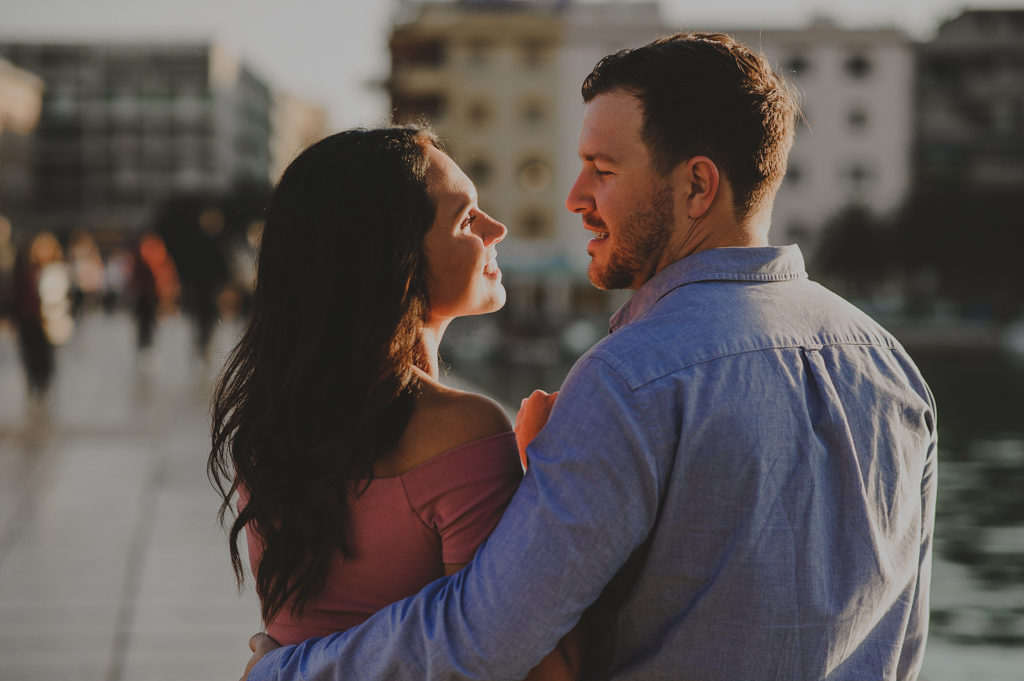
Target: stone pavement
[[112, 565]]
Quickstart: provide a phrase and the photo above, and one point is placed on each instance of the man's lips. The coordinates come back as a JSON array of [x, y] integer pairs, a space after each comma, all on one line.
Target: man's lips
[[597, 226]]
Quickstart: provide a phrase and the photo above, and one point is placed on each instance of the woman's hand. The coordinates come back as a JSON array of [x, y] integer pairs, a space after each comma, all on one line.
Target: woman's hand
[[260, 644], [533, 414]]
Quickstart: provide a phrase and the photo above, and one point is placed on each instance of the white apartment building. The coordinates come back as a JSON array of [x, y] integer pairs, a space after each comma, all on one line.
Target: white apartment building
[[854, 143]]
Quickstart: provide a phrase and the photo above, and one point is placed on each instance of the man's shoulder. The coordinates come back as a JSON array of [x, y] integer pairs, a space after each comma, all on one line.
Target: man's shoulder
[[701, 323]]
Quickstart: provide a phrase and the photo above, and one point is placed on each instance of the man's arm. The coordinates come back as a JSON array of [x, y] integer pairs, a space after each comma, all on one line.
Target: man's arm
[[588, 500]]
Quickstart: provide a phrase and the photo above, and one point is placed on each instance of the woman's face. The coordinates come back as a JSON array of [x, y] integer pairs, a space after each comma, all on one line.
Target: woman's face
[[462, 273]]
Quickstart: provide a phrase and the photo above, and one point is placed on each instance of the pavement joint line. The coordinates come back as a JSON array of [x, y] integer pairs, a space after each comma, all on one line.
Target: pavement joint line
[[134, 568]]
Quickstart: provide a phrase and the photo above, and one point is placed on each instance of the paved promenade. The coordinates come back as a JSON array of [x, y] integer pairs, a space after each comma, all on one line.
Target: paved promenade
[[112, 565]]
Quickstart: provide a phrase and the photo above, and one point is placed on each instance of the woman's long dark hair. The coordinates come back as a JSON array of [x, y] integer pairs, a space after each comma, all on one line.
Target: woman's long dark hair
[[322, 382]]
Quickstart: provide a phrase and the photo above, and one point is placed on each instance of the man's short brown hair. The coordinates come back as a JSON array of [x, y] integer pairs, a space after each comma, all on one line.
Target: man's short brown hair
[[704, 94]]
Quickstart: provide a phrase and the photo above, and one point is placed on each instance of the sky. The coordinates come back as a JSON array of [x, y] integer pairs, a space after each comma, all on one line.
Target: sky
[[335, 51]]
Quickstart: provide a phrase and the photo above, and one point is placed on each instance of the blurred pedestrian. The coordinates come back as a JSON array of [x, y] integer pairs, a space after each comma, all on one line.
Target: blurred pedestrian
[[208, 275], [8, 254], [154, 287], [41, 309], [87, 272]]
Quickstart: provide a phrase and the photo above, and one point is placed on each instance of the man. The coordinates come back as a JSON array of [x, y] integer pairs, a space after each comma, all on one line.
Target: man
[[739, 481]]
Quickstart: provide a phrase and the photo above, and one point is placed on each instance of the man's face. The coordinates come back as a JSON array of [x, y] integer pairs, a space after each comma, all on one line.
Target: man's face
[[628, 206]]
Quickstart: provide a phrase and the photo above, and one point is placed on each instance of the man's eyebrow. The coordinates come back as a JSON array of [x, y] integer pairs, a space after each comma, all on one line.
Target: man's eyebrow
[[599, 156]]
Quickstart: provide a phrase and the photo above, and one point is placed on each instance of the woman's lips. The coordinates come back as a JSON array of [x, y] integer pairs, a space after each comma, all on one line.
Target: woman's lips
[[491, 269]]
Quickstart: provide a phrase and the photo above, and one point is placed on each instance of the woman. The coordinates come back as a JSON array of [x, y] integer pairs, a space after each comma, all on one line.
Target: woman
[[360, 477]]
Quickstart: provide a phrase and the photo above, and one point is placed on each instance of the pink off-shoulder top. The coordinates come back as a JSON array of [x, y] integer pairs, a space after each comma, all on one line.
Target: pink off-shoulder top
[[403, 530]]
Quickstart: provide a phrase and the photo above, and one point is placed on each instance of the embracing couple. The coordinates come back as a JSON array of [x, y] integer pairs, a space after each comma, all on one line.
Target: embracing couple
[[738, 483]]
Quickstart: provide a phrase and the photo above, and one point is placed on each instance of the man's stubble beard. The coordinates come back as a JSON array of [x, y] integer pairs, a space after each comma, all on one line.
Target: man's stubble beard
[[639, 241]]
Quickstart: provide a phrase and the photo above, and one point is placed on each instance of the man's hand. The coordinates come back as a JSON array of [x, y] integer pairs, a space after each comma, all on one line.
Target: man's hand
[[260, 644], [533, 414]]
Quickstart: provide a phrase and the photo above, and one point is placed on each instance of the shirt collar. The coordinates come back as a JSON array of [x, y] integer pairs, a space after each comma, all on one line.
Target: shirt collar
[[769, 263]]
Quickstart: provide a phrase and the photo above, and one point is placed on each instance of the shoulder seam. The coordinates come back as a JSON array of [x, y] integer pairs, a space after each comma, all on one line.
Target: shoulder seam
[[896, 347], [405, 493]]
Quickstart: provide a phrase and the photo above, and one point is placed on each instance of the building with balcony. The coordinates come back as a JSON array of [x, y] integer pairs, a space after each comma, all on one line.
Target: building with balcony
[[124, 126], [500, 82]]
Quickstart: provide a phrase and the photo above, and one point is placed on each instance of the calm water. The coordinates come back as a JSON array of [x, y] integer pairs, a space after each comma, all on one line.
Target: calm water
[[978, 583]]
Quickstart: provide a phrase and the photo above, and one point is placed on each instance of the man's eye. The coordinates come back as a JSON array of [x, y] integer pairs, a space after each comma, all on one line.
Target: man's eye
[[470, 219], [601, 173]]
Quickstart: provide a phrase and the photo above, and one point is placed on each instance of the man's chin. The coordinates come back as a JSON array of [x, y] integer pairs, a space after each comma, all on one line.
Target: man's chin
[[599, 278]]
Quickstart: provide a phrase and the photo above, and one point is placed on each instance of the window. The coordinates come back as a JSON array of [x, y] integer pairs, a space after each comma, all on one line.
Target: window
[[479, 170], [533, 54], [535, 175], [417, 53], [796, 65], [858, 175], [533, 112], [533, 223], [857, 119], [858, 66], [478, 113]]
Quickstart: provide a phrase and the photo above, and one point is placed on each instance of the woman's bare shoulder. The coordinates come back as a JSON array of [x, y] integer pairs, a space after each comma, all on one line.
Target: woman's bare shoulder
[[459, 415], [444, 418]]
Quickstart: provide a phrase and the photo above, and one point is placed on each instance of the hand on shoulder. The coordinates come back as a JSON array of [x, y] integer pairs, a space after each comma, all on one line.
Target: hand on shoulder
[[533, 415]]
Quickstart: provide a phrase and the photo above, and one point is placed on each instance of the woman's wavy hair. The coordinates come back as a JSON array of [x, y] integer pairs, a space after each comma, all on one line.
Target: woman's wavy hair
[[322, 382]]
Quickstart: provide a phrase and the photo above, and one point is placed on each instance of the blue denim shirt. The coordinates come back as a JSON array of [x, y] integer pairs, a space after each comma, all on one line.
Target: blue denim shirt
[[766, 454]]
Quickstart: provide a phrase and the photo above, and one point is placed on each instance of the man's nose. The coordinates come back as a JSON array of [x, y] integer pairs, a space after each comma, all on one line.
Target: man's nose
[[579, 199]]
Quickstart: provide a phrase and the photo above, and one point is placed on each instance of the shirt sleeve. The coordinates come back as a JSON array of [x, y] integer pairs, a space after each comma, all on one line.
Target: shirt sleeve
[[462, 494], [912, 652], [588, 500]]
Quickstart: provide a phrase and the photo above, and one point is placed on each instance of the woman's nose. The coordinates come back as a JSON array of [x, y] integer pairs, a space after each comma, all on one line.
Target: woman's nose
[[491, 231]]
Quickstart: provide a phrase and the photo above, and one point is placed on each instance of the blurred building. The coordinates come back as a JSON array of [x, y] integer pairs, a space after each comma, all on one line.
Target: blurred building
[[500, 82], [970, 100], [125, 125], [296, 123], [853, 145], [21, 96]]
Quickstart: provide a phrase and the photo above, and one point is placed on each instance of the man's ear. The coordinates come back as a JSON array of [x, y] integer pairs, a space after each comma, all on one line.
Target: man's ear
[[701, 179]]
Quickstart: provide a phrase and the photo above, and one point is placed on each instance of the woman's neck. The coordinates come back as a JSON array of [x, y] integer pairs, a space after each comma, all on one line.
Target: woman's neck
[[430, 341]]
